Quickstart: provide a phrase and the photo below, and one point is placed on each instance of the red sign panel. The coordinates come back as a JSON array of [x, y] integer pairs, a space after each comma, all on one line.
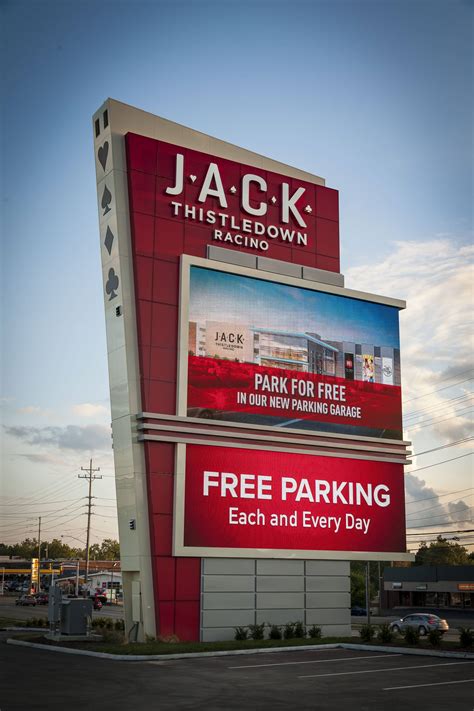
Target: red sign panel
[[182, 200], [261, 499], [230, 387]]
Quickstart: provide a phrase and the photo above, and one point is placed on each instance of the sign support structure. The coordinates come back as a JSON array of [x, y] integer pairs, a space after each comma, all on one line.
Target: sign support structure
[[200, 371]]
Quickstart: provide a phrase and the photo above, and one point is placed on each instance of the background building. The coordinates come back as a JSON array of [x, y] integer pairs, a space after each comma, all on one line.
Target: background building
[[429, 586]]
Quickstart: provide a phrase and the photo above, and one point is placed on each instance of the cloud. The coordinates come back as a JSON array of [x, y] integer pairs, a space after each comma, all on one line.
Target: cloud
[[33, 410], [436, 279], [70, 437], [425, 508], [88, 409], [42, 458]]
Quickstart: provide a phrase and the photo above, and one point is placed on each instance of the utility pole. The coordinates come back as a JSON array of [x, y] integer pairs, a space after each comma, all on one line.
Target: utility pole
[[90, 476], [39, 554]]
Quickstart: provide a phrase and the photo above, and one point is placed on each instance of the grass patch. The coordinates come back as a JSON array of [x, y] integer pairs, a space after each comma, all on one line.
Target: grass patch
[[183, 647], [9, 622], [155, 647]]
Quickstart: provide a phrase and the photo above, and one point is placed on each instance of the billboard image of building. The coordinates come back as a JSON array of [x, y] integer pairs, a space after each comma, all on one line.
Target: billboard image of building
[[256, 401], [329, 331]]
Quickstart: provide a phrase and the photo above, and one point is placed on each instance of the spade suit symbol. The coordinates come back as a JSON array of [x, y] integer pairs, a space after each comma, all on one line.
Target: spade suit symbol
[[106, 200], [102, 154], [112, 284]]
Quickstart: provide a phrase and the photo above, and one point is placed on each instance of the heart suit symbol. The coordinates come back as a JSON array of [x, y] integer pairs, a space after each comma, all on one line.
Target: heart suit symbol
[[102, 154]]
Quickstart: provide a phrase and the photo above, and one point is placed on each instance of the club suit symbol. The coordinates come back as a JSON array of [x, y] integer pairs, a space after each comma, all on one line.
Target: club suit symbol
[[112, 284], [102, 154], [106, 200], [109, 240]]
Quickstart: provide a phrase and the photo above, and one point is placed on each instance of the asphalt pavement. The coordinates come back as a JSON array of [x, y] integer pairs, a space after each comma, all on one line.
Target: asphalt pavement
[[317, 679]]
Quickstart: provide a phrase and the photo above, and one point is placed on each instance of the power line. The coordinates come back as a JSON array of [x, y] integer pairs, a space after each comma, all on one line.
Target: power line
[[439, 389], [33, 503], [445, 461], [440, 523], [430, 508], [432, 533], [431, 422], [442, 405], [443, 446], [41, 489], [440, 496], [441, 533]]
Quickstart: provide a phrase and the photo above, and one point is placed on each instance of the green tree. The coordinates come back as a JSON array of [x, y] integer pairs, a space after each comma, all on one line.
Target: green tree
[[443, 552], [110, 549]]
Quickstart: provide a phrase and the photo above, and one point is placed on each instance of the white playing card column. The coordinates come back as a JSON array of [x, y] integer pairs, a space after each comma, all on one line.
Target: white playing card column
[[119, 302]]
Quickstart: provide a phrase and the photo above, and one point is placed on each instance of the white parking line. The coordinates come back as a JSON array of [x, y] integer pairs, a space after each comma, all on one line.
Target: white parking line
[[436, 683], [382, 670], [312, 661]]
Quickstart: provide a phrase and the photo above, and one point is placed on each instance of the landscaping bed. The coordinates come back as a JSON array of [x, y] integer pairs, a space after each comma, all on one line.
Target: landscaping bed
[[157, 648]]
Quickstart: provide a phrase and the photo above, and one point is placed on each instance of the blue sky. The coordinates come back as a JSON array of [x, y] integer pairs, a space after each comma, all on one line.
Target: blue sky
[[218, 296], [375, 96]]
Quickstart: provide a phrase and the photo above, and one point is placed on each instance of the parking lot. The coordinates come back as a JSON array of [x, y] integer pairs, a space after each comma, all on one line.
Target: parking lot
[[315, 679]]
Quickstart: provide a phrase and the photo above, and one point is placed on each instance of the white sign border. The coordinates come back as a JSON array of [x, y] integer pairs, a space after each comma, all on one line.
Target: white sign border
[[188, 261], [180, 550]]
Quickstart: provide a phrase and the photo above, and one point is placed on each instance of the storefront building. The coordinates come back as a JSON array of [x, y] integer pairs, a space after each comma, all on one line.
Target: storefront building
[[449, 586]]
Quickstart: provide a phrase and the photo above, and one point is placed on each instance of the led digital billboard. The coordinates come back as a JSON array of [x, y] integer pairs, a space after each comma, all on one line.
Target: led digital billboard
[[264, 352], [265, 500]]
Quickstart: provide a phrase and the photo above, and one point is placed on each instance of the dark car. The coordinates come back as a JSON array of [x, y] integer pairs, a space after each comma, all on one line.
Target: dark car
[[26, 600], [357, 611], [421, 621], [42, 598]]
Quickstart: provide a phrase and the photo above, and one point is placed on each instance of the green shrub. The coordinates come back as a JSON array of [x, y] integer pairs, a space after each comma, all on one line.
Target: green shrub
[[411, 635], [384, 633], [435, 637], [314, 632], [289, 631], [466, 637], [241, 633], [367, 633], [275, 632], [300, 631], [119, 625], [257, 631], [113, 636]]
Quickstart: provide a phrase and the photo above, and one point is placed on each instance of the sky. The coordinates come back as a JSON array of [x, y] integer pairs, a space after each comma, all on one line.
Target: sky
[[373, 95]]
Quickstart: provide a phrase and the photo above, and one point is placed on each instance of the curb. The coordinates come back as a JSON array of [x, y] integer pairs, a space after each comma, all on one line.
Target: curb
[[238, 652], [22, 629], [164, 657]]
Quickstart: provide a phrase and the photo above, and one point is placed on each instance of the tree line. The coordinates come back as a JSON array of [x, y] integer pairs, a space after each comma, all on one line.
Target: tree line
[[56, 549]]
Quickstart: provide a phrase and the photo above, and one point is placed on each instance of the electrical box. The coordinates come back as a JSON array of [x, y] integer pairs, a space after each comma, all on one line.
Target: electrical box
[[136, 601], [75, 614], [54, 605]]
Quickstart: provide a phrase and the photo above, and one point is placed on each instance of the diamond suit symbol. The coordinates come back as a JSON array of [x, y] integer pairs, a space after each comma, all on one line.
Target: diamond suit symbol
[[109, 240], [273, 200]]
